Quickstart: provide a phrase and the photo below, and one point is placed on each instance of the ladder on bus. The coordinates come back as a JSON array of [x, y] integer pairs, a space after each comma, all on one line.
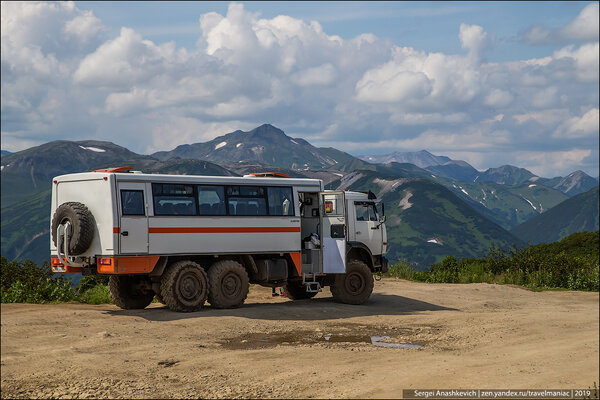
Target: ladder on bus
[[312, 286]]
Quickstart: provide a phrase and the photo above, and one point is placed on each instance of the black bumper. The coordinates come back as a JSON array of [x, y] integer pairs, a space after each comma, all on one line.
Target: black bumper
[[383, 266]]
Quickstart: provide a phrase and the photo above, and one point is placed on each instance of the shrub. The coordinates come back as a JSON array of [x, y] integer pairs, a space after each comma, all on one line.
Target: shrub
[[26, 282], [98, 294], [90, 281], [403, 270]]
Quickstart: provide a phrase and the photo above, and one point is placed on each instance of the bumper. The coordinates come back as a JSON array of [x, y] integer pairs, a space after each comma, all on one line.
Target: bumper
[[383, 266]]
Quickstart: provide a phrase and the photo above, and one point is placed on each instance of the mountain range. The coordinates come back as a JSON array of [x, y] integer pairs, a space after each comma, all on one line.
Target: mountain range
[[577, 214], [444, 207], [458, 170]]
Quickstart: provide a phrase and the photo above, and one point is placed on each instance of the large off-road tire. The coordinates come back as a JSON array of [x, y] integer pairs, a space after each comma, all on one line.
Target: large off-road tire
[[229, 284], [297, 291], [184, 286], [82, 226], [355, 286], [126, 292]]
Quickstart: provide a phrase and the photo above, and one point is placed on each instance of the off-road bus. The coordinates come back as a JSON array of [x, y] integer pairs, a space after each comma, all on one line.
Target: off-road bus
[[188, 239]]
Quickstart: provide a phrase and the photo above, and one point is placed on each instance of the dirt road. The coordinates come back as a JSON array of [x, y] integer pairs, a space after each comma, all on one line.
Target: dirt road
[[472, 336]]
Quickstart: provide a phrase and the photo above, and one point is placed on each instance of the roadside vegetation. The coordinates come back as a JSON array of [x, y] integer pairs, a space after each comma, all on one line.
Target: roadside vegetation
[[571, 263], [27, 282]]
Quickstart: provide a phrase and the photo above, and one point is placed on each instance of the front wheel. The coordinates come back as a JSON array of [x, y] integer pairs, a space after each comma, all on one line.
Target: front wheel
[[184, 286], [130, 292], [355, 286]]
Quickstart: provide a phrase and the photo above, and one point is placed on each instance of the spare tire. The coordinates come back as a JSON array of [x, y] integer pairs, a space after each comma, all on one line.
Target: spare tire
[[82, 226]]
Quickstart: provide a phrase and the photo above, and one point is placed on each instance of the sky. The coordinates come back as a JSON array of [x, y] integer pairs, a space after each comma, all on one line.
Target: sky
[[491, 83]]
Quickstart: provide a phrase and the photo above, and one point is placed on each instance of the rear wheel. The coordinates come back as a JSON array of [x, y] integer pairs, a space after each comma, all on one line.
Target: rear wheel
[[184, 286], [297, 291], [159, 298], [229, 284], [130, 292], [355, 286]]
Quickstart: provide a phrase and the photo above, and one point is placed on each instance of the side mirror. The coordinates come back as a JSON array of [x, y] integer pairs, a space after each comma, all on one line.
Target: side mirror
[[382, 219]]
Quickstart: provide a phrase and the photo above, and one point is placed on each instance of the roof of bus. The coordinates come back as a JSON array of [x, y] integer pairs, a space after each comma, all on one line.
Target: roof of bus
[[140, 177]]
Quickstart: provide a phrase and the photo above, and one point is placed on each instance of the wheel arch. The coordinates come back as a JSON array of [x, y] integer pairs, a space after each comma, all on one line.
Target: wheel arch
[[359, 251]]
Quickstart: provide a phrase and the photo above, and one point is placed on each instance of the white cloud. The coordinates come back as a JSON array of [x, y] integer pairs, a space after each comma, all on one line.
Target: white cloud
[[62, 77], [498, 98], [473, 38], [126, 61], [84, 27], [584, 27], [546, 117], [579, 127], [321, 75], [585, 58]]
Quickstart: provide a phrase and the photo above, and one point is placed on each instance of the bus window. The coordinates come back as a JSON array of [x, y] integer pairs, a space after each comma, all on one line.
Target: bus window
[[246, 200], [280, 201], [211, 200], [173, 199], [132, 202]]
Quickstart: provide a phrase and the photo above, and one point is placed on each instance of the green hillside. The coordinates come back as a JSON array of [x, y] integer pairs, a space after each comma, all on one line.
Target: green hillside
[[426, 221], [508, 205], [577, 214], [25, 229]]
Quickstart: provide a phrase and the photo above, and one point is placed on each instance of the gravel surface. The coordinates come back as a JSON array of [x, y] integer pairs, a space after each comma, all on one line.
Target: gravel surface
[[471, 336]]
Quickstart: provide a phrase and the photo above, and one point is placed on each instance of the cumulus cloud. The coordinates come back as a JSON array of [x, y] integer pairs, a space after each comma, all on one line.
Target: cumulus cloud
[[584, 27], [473, 38], [582, 126], [62, 77]]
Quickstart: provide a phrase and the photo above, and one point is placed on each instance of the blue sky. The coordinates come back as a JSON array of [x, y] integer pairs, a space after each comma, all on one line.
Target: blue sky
[[425, 25], [492, 83]]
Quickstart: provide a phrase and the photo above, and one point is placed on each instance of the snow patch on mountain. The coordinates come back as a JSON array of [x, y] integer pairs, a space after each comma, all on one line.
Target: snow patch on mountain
[[530, 203], [222, 144], [95, 149]]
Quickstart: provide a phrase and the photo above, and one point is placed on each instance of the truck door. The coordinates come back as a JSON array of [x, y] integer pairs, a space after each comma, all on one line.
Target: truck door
[[367, 227], [133, 232], [333, 232]]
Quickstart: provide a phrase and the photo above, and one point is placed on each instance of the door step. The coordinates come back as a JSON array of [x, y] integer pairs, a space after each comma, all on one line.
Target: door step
[[312, 286]]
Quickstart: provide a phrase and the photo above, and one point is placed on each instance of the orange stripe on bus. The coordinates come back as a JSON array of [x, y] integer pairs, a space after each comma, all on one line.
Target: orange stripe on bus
[[226, 230]]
